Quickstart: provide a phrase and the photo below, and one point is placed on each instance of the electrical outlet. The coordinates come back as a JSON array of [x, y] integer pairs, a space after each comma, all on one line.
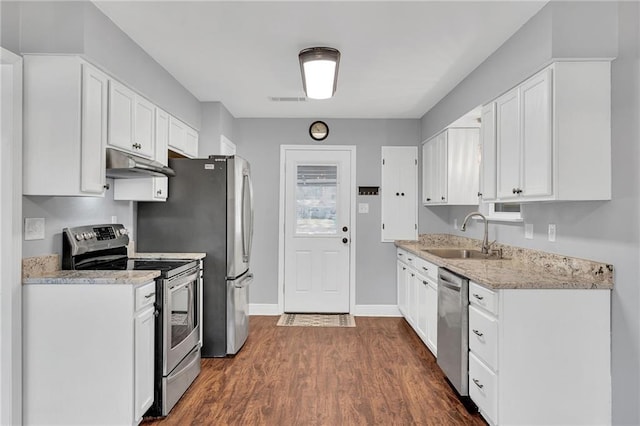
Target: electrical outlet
[[363, 207], [455, 223], [33, 228], [552, 232], [114, 219], [528, 231]]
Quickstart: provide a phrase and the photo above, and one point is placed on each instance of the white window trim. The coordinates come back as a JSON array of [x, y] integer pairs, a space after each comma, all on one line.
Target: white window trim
[[488, 209]]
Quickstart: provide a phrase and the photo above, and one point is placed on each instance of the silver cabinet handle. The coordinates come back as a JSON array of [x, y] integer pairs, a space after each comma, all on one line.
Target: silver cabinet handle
[[477, 296], [424, 282], [149, 295], [478, 384], [477, 333], [400, 254], [410, 259], [426, 269]]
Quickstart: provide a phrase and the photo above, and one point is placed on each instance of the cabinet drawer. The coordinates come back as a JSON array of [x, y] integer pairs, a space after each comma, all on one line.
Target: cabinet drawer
[[145, 295], [406, 257], [483, 336], [483, 297], [426, 268], [483, 388]]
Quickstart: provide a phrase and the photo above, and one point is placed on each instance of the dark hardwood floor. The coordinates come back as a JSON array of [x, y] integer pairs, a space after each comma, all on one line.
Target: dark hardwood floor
[[378, 373]]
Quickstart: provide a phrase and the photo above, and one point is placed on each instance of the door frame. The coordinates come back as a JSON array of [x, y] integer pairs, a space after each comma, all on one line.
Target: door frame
[[352, 218], [11, 244]]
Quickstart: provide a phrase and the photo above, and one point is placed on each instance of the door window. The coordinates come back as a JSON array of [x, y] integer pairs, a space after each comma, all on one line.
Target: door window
[[316, 189]]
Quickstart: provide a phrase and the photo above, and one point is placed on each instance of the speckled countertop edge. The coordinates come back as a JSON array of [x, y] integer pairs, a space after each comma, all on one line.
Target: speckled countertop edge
[[522, 268], [93, 277]]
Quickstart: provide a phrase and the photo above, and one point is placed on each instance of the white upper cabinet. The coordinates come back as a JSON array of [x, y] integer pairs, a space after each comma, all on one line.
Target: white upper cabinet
[[488, 152], [399, 197], [65, 127], [153, 188], [182, 138], [552, 135], [131, 121], [450, 168]]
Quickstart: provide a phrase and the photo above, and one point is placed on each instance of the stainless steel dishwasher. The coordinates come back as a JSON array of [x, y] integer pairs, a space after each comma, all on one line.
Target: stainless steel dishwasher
[[453, 330]]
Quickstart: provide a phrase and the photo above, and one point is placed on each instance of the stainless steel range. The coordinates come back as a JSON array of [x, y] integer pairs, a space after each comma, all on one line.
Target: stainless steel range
[[178, 290]]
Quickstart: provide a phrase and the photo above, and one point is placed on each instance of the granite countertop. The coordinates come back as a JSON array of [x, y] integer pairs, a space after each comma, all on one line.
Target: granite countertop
[[92, 277], [46, 270], [186, 256], [520, 269]]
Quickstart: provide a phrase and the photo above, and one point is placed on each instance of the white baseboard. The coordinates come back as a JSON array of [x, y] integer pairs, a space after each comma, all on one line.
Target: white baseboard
[[376, 311], [264, 309], [359, 310]]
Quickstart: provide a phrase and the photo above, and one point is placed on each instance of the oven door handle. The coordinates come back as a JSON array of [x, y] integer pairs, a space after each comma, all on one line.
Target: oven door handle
[[182, 282]]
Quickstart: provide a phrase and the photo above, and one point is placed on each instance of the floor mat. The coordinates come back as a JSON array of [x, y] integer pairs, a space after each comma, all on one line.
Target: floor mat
[[317, 320]]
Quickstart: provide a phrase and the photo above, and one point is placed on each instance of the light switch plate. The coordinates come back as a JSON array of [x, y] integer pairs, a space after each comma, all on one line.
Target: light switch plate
[[33, 228], [455, 223], [552, 232], [528, 231], [114, 219], [363, 207]]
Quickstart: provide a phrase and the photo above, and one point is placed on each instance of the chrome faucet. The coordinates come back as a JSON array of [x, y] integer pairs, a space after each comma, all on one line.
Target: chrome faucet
[[485, 240]]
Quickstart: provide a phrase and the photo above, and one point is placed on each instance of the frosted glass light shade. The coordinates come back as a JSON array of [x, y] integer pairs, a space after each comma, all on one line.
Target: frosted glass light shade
[[319, 67]]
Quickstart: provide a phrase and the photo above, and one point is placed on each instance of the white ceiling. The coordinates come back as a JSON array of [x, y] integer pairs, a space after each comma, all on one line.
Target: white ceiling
[[398, 58]]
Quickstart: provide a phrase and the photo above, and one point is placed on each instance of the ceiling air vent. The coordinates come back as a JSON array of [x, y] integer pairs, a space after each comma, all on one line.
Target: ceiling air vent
[[287, 99]]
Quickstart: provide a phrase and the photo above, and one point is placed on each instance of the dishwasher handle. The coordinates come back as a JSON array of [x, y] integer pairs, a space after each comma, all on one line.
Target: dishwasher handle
[[447, 282]]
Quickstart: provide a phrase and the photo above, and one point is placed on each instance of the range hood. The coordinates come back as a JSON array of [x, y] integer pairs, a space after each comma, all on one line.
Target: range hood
[[122, 165]]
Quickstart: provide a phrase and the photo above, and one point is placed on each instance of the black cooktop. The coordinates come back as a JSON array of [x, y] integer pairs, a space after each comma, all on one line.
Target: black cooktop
[[126, 264]]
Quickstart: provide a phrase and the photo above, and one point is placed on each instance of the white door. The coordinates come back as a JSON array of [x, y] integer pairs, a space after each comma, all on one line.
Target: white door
[[317, 224]]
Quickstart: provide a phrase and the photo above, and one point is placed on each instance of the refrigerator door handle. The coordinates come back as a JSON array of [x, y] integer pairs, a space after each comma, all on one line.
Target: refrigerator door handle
[[244, 281], [247, 216]]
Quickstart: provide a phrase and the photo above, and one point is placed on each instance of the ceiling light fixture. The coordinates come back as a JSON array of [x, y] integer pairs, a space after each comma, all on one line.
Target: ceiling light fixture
[[319, 67]]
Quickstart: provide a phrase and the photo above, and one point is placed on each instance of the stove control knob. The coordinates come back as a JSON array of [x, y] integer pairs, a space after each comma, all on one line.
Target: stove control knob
[[124, 231], [79, 237], [85, 235]]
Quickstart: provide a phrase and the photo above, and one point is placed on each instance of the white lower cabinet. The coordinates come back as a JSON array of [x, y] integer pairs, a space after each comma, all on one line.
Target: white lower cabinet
[[88, 353], [417, 296], [540, 356]]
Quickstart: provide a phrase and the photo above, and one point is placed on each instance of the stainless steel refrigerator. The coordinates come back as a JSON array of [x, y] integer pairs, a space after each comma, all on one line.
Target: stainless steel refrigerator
[[209, 209]]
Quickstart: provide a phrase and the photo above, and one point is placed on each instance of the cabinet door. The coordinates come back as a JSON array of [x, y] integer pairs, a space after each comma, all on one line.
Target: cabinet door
[[94, 130], [121, 113], [422, 307], [401, 282], [160, 188], [488, 158], [432, 316], [144, 359], [442, 167], [412, 298], [535, 98], [399, 193], [463, 162], [143, 142], [508, 144], [177, 135], [429, 171], [161, 136], [191, 143]]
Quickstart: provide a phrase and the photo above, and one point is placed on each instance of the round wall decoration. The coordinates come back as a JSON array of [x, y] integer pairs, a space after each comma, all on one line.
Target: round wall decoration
[[318, 130]]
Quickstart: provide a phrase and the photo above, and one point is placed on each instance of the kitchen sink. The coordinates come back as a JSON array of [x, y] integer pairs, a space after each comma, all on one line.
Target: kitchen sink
[[464, 254]]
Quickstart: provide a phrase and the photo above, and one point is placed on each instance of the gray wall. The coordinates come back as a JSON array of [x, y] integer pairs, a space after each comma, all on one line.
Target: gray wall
[[78, 27], [216, 121], [62, 212], [259, 140], [604, 231]]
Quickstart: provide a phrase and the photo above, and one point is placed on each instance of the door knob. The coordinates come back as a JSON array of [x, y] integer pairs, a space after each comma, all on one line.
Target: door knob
[[345, 240], [345, 229]]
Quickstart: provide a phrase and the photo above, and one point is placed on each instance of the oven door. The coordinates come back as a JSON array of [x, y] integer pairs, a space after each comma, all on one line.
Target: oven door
[[180, 318]]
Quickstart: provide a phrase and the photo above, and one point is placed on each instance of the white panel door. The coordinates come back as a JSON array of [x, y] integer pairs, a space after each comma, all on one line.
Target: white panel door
[[94, 130], [318, 191], [488, 162], [399, 193], [121, 116], [508, 144], [535, 98], [143, 139]]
